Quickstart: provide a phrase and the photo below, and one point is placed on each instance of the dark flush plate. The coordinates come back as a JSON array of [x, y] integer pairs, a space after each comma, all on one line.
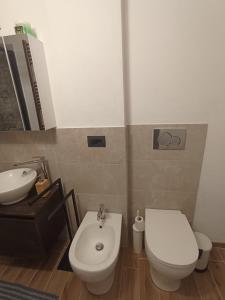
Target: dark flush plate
[[96, 141]]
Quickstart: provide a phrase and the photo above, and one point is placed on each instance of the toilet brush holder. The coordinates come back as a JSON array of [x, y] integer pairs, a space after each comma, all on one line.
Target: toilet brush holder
[[137, 239]]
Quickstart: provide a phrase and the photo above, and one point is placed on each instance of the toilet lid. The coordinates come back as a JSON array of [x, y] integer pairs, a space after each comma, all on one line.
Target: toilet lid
[[170, 238]]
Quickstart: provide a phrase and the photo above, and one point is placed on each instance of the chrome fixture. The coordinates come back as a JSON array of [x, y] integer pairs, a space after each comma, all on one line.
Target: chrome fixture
[[25, 173], [169, 138], [39, 160], [99, 246], [101, 214]]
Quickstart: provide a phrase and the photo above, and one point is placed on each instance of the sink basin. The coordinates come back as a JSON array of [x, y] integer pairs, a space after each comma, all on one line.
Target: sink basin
[[15, 185]]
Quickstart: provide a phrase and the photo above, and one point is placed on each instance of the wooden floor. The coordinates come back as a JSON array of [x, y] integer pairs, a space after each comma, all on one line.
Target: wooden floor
[[132, 281]]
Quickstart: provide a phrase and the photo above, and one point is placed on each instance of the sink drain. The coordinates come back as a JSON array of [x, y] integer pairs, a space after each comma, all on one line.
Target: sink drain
[[99, 246]]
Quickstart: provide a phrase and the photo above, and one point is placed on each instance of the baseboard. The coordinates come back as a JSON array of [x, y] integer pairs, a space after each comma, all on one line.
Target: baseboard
[[220, 245]]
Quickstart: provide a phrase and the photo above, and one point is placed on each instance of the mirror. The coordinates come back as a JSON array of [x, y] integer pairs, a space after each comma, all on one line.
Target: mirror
[[25, 98], [10, 115]]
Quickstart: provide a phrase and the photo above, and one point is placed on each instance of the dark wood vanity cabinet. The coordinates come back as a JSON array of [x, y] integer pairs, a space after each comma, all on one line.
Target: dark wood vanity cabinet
[[31, 230]]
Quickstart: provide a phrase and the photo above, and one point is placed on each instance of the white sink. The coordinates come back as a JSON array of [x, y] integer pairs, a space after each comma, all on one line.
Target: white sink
[[15, 185]]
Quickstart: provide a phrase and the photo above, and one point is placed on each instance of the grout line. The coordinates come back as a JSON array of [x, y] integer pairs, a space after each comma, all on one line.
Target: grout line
[[4, 269], [48, 281], [197, 288], [215, 283]]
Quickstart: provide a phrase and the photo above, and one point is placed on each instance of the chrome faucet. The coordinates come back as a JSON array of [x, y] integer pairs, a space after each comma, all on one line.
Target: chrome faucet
[[101, 214], [39, 160]]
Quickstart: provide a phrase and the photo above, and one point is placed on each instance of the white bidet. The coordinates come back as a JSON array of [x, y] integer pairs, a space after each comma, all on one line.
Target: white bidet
[[94, 251]]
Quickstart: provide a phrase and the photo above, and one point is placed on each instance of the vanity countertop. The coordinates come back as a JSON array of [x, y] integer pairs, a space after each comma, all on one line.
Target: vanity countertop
[[25, 210]]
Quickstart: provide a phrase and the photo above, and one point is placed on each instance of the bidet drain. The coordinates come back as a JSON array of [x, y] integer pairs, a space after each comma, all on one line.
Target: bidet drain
[[99, 246]]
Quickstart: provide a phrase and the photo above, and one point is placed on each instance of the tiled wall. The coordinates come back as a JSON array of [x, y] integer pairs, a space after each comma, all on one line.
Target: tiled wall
[[99, 175], [157, 178], [164, 179]]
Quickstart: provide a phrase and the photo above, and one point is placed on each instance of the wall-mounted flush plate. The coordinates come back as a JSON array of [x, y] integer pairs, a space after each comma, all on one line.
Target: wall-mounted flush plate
[[169, 139], [96, 141]]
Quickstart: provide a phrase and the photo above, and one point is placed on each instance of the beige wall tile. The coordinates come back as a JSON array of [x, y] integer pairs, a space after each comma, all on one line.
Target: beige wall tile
[[164, 179], [27, 137], [158, 199], [141, 173], [67, 144], [115, 150], [22, 146], [21, 152], [141, 143], [175, 175], [184, 201], [139, 199], [164, 174], [112, 203], [94, 178], [54, 169], [5, 166], [71, 145]]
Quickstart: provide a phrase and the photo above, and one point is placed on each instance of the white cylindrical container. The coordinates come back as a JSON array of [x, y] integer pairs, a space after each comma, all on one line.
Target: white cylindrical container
[[137, 239], [139, 223], [204, 246]]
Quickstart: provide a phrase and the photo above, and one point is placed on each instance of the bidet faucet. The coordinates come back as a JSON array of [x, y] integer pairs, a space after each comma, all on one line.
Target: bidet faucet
[[101, 214]]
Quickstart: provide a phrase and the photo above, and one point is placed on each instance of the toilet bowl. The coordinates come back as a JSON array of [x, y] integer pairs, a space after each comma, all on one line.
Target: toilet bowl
[[170, 246], [94, 251]]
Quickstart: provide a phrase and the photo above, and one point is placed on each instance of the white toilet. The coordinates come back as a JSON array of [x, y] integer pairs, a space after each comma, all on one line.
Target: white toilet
[[94, 251], [170, 246]]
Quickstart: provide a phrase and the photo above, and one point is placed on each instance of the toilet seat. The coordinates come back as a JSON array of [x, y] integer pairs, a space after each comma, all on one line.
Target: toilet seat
[[169, 238]]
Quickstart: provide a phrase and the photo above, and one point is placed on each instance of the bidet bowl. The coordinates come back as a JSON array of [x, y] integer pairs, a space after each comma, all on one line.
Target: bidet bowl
[[15, 185], [94, 251]]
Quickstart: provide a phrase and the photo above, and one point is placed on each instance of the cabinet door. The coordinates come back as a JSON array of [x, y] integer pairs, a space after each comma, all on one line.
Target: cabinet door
[[10, 111], [20, 237]]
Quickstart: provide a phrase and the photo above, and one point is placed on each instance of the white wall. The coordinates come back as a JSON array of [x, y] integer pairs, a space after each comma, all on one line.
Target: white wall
[[83, 46], [176, 71]]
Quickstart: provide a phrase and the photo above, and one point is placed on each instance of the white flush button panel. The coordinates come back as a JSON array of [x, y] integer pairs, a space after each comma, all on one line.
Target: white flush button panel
[[169, 139]]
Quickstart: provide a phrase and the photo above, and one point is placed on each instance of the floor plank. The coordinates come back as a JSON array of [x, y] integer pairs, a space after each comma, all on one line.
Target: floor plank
[[216, 254], [132, 279], [129, 285], [113, 294], [72, 289], [10, 273], [222, 251], [217, 271], [205, 286], [187, 291], [3, 267], [57, 282], [130, 259], [85, 295], [147, 288], [44, 274], [26, 275]]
